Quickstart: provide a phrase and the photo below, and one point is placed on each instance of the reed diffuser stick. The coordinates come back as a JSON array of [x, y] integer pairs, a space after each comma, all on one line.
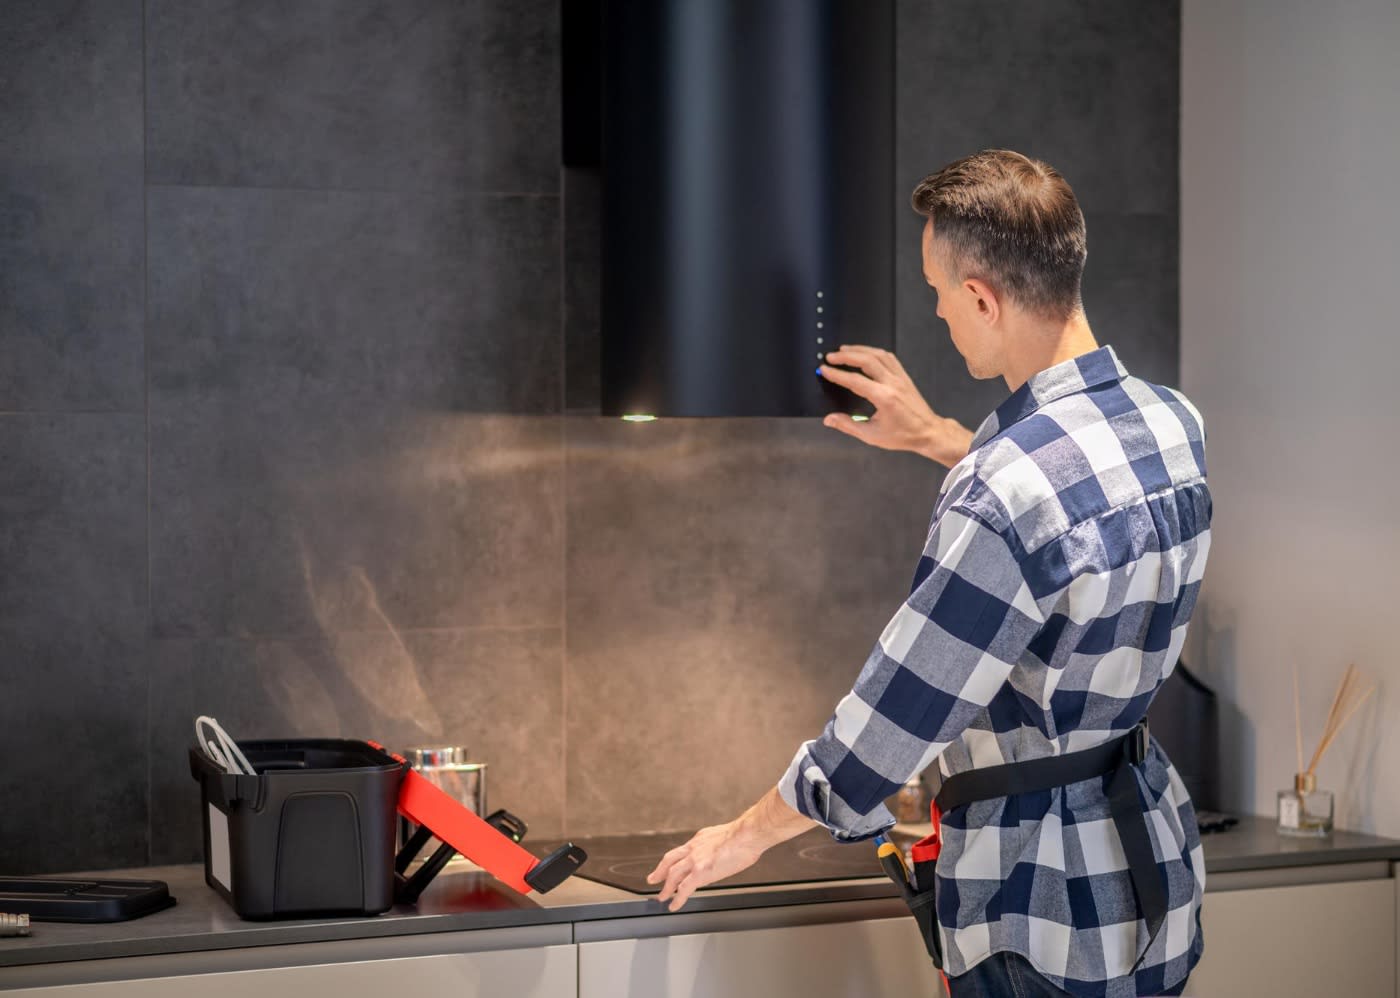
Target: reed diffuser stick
[[1338, 715], [1346, 717], [1336, 701], [1297, 718]]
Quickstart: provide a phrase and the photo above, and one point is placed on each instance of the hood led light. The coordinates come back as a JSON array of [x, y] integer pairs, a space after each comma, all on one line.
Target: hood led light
[[638, 417]]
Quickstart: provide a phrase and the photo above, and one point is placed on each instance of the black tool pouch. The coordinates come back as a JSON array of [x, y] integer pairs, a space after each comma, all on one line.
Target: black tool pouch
[[921, 904], [926, 916]]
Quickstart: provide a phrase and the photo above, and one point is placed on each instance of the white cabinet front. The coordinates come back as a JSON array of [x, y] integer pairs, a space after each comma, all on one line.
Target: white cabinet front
[[1304, 941], [837, 960], [543, 972]]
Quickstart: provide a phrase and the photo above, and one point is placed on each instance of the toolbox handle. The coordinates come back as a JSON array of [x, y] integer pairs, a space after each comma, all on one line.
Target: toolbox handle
[[225, 789]]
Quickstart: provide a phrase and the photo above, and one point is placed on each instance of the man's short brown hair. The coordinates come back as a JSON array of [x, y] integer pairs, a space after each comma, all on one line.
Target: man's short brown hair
[[1013, 222]]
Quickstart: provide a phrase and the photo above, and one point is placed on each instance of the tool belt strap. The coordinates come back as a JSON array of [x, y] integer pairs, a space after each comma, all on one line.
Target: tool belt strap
[[1115, 759]]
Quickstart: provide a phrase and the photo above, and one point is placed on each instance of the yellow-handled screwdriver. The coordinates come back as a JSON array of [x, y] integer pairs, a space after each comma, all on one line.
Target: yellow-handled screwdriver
[[892, 862]]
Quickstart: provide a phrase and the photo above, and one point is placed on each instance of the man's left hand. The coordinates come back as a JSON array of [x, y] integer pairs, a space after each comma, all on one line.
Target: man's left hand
[[723, 850], [712, 854]]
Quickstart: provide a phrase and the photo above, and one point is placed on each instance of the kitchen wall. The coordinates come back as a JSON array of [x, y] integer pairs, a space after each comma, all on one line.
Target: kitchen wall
[[1290, 133], [298, 385]]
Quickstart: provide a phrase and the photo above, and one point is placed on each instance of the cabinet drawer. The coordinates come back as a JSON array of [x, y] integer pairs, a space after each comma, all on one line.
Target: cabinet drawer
[[543, 972], [837, 960], [1306, 940]]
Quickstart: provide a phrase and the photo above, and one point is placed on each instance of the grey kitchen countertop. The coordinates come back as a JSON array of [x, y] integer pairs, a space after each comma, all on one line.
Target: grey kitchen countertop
[[461, 899]]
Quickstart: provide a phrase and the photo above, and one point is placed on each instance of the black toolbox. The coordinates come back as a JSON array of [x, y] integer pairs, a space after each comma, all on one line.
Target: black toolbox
[[313, 833]]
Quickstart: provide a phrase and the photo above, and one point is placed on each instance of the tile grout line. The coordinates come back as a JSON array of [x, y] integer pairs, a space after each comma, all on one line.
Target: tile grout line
[[296, 636], [146, 392], [71, 412], [564, 509], [411, 192]]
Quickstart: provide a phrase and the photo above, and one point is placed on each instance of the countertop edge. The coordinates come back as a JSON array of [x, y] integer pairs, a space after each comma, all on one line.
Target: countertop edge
[[209, 926]]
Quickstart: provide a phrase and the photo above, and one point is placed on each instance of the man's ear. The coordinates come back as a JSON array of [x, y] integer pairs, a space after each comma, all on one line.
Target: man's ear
[[988, 306]]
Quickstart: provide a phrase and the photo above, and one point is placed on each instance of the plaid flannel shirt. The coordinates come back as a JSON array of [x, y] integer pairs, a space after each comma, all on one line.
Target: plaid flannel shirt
[[1059, 574]]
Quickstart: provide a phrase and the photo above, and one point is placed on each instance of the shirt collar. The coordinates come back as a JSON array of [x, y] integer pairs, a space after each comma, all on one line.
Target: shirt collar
[[1067, 377]]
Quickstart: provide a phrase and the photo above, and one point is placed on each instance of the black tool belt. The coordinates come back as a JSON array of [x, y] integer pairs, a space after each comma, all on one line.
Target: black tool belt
[[1114, 758]]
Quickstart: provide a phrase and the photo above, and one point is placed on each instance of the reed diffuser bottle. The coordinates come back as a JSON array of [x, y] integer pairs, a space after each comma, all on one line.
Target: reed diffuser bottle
[[1304, 810]]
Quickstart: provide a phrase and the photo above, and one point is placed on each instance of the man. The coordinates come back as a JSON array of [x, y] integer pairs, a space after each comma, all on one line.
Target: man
[[1059, 575]]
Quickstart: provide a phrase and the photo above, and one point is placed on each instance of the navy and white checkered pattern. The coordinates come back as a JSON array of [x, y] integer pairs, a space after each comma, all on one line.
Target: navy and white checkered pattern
[[1052, 599]]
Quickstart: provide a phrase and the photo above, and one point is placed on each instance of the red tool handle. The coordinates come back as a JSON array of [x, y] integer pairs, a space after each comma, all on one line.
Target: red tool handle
[[423, 802], [926, 850]]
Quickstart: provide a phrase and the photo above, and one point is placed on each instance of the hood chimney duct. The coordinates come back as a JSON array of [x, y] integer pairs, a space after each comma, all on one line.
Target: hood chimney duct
[[748, 202]]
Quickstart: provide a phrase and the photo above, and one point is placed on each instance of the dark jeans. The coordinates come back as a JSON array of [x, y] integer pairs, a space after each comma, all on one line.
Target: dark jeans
[[1010, 975]]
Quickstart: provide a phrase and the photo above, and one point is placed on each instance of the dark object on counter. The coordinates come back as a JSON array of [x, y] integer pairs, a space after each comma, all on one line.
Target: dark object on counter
[[1185, 720], [311, 834], [748, 225], [1214, 821], [623, 861], [57, 899]]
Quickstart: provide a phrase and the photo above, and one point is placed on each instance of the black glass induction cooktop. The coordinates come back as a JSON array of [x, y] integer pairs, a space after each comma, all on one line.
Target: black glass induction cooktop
[[625, 860]]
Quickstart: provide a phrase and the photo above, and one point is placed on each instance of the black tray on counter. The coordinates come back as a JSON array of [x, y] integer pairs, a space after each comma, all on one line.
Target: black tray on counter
[[56, 899]]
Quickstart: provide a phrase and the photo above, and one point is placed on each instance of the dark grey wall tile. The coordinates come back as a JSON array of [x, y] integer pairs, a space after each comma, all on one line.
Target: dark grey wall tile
[[583, 247], [72, 521], [70, 206], [431, 302], [441, 94], [73, 737], [463, 687], [726, 581], [1132, 291], [72, 617], [1090, 87]]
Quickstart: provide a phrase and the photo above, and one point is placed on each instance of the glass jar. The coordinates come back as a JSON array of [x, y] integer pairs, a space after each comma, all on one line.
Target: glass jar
[[911, 803], [1305, 811], [448, 768]]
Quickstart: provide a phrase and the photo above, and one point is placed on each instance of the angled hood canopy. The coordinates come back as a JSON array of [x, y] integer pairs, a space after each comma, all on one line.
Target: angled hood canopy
[[748, 201]]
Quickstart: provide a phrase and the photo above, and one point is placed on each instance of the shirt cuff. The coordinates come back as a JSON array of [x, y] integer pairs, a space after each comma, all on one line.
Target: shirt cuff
[[807, 790]]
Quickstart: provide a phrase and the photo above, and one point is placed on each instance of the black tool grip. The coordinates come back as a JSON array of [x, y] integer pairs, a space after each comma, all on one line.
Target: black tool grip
[[556, 868], [409, 889], [412, 848], [508, 824]]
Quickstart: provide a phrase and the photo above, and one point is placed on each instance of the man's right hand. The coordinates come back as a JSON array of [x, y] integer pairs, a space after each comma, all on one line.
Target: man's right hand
[[902, 420]]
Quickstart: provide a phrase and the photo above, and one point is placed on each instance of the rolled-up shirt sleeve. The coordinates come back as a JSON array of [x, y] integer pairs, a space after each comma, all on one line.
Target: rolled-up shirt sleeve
[[939, 662]]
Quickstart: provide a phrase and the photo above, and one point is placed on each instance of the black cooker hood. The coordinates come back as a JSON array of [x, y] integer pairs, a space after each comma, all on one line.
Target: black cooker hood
[[748, 200]]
